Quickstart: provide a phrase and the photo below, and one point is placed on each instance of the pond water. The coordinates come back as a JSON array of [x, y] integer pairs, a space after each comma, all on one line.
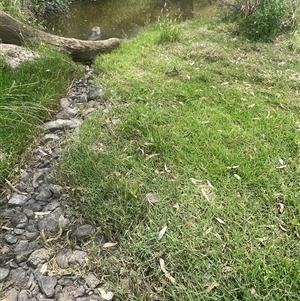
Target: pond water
[[122, 18]]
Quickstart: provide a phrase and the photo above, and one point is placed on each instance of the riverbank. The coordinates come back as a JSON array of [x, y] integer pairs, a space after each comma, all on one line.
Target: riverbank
[[187, 178]]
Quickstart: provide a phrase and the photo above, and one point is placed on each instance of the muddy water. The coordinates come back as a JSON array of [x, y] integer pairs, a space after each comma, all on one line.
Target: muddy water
[[121, 18]]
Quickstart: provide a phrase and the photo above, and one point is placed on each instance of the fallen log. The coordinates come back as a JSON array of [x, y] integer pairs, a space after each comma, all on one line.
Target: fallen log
[[15, 32]]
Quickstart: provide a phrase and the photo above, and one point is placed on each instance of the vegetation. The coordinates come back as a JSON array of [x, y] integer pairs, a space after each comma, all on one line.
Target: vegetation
[[29, 93], [263, 20], [194, 171]]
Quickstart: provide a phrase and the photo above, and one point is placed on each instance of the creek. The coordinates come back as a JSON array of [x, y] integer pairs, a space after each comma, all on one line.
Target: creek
[[122, 18]]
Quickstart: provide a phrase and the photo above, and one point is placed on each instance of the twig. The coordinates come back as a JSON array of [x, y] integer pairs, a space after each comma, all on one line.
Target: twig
[[14, 188]]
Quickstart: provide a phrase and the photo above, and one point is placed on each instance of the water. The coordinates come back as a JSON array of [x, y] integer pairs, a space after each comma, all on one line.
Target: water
[[121, 18]]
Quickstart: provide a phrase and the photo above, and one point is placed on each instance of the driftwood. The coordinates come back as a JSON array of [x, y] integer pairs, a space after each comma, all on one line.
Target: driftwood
[[14, 32]]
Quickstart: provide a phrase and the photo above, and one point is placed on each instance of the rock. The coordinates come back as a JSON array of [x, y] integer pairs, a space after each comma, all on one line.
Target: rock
[[47, 285], [57, 190], [62, 258], [94, 93], [64, 102], [18, 277], [92, 281], [50, 138], [38, 257], [49, 222], [17, 200], [83, 232], [79, 292], [78, 257], [10, 238], [19, 218], [61, 124], [45, 194], [12, 295], [23, 296], [4, 272]]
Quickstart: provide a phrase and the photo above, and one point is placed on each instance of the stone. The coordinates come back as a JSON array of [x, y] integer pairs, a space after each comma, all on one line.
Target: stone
[[10, 238], [92, 281], [64, 102], [4, 272], [21, 246], [12, 295], [17, 200], [38, 177], [31, 236], [62, 124], [64, 297], [78, 257], [62, 258], [23, 296], [78, 292], [18, 277], [45, 194], [29, 213], [94, 93], [47, 285], [83, 232], [50, 138], [38, 257], [57, 190], [50, 222], [19, 218]]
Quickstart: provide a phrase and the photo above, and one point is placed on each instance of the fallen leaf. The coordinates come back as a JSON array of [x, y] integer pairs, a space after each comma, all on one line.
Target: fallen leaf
[[208, 231], [109, 245], [220, 220], [105, 295], [162, 232], [167, 274], [280, 207], [237, 176], [282, 228], [41, 213], [203, 191], [211, 287], [150, 156]]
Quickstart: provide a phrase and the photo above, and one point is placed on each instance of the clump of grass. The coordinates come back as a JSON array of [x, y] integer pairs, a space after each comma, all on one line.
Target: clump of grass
[[206, 145], [29, 93]]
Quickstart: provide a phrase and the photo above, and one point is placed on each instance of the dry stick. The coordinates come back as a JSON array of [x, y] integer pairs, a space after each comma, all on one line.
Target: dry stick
[[14, 188]]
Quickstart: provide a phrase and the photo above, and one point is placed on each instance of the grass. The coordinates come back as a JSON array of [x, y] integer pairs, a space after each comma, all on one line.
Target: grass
[[207, 126], [29, 94]]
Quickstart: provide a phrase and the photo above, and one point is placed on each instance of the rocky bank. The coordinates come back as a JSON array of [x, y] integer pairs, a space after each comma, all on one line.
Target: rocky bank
[[43, 254]]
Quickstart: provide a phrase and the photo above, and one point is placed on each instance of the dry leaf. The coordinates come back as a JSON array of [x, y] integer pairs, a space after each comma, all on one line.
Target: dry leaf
[[211, 287], [220, 220], [44, 268], [208, 230], [162, 232], [105, 295], [42, 213], [150, 156], [195, 181], [237, 176], [280, 207], [282, 228], [176, 206], [151, 198], [109, 245], [167, 274], [203, 191]]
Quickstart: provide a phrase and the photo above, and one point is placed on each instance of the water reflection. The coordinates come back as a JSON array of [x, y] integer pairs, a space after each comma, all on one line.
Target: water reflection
[[119, 18]]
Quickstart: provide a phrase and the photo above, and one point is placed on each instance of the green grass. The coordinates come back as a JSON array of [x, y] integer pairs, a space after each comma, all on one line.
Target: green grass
[[209, 125], [29, 94]]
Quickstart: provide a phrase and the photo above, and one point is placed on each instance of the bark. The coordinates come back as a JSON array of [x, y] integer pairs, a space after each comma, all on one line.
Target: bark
[[14, 32]]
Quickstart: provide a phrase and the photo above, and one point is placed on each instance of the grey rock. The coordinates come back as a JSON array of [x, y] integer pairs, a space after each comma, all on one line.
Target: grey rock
[[19, 218], [38, 178], [47, 285], [50, 138], [78, 292], [62, 258], [12, 295], [29, 213], [44, 195], [78, 257], [10, 238], [17, 200], [92, 281], [53, 205], [38, 257], [19, 231], [21, 247], [83, 232], [61, 124], [50, 222], [4, 272], [31, 236], [26, 176], [23, 296], [19, 277], [3, 200], [64, 102], [64, 297], [94, 93], [57, 190]]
